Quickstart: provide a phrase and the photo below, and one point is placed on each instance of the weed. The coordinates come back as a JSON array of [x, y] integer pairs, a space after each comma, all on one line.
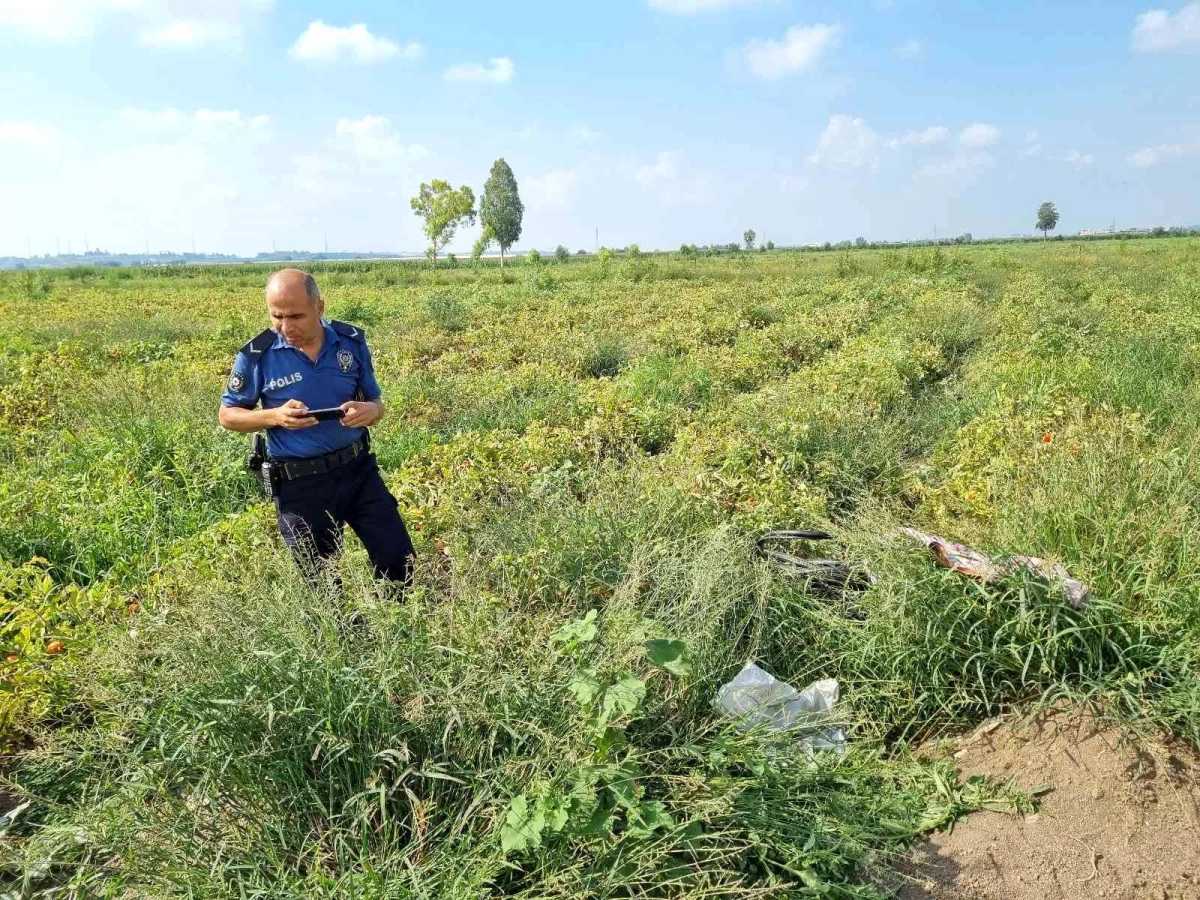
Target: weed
[[446, 311]]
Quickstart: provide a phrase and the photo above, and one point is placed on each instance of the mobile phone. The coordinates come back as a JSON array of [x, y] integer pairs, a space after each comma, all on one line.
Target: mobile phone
[[324, 415]]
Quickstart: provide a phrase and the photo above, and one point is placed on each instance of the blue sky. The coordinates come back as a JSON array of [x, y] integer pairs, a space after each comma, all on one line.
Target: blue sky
[[242, 123]]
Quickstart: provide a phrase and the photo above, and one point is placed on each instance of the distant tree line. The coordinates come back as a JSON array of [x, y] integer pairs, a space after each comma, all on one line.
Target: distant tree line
[[1132, 234]]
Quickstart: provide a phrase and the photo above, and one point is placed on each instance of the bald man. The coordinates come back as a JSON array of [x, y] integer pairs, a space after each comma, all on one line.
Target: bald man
[[322, 473]]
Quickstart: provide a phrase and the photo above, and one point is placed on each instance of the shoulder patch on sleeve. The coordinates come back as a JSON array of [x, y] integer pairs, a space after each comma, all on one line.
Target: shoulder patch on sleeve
[[254, 347], [351, 331]]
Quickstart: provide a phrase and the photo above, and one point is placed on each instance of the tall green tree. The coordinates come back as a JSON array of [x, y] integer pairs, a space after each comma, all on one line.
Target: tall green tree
[[749, 237], [500, 207], [1047, 218], [443, 210]]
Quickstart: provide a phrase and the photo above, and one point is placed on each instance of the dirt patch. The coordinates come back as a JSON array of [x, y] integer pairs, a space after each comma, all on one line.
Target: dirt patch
[[1119, 821]]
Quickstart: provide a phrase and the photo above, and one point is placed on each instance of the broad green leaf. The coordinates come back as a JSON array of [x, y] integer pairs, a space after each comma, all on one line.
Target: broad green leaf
[[584, 785], [622, 698], [600, 822], [654, 815], [577, 631], [692, 835], [610, 742], [556, 809], [624, 785], [584, 686], [523, 826], [649, 817], [669, 655]]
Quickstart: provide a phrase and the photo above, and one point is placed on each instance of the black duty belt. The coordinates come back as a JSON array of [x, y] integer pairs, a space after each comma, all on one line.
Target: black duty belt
[[300, 468]]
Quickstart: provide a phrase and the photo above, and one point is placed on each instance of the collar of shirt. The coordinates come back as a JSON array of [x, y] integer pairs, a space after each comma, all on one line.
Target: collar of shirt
[[331, 338]]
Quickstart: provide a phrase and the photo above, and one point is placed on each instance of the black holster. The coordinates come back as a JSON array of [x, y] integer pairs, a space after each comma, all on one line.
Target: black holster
[[261, 467], [258, 454]]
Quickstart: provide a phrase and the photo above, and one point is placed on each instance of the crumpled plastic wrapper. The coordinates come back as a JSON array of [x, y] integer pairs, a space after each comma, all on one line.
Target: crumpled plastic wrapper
[[756, 699]]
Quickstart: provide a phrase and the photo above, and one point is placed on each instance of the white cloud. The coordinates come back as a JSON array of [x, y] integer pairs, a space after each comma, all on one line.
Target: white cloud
[[1158, 30], [687, 7], [1152, 156], [319, 177], [961, 164], [908, 50], [34, 135], [800, 49], [499, 70], [979, 135], [1031, 150], [537, 131], [935, 134], [204, 120], [330, 43], [160, 23], [213, 181], [554, 189], [1075, 158], [230, 181], [55, 19], [189, 33], [531, 132], [151, 120], [664, 169], [373, 138], [792, 184], [666, 182], [846, 143], [219, 116]]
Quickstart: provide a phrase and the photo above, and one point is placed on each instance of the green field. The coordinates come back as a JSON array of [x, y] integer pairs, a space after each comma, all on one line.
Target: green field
[[184, 718]]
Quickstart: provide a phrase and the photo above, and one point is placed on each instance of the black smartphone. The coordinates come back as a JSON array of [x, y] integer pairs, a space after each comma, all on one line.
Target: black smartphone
[[324, 415]]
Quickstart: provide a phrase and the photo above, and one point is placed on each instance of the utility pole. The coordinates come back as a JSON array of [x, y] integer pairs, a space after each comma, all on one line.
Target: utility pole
[[86, 248], [597, 240], [326, 245]]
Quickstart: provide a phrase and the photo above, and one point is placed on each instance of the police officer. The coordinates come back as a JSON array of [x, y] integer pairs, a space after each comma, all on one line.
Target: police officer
[[327, 476]]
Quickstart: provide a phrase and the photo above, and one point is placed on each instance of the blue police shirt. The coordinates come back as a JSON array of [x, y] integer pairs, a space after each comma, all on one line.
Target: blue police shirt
[[284, 373]]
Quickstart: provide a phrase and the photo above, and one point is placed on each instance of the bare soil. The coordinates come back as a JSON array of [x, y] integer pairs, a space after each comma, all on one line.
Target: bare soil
[[1120, 821]]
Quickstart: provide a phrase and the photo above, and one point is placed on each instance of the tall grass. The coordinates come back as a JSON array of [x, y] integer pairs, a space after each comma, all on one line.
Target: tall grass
[[609, 443], [249, 742]]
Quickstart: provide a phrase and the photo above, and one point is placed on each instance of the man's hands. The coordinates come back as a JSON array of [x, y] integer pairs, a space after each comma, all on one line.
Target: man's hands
[[361, 413], [292, 415]]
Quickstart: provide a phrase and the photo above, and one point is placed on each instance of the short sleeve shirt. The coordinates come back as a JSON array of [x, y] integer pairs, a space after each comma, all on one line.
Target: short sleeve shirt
[[283, 372]]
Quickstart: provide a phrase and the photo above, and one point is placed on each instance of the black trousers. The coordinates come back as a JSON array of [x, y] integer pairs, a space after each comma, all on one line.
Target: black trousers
[[314, 510]]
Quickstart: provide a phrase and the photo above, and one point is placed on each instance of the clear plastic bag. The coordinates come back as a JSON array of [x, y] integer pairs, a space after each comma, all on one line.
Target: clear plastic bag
[[759, 700]]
